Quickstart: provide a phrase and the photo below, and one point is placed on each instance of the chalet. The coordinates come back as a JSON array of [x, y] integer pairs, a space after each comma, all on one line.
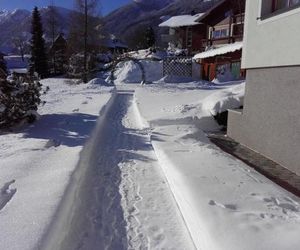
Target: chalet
[[114, 45], [269, 122], [223, 44], [185, 32], [58, 56]]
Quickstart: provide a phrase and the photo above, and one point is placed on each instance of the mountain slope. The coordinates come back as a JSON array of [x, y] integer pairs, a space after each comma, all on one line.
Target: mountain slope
[[18, 23], [128, 20]]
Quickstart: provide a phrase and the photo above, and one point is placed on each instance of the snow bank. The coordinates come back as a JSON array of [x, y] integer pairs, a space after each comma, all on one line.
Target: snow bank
[[99, 81], [223, 100], [225, 203], [174, 79], [37, 162], [130, 72], [63, 224]]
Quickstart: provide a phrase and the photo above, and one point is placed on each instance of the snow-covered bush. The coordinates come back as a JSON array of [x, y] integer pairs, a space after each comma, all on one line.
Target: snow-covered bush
[[19, 101]]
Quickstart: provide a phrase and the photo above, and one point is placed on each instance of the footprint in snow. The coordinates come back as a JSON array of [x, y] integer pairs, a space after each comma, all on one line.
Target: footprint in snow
[[6, 194], [75, 110], [225, 206]]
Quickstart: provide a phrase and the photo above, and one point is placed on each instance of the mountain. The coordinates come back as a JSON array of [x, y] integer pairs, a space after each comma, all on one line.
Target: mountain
[[123, 22], [126, 21], [17, 23]]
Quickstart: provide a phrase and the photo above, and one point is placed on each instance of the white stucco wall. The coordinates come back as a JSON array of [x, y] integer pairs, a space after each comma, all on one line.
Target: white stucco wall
[[270, 42]]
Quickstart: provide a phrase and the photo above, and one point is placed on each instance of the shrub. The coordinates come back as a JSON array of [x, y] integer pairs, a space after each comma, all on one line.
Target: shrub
[[19, 100]]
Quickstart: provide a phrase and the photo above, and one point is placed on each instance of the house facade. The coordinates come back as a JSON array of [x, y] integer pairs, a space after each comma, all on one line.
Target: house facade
[[58, 55], [270, 120], [224, 27], [185, 33]]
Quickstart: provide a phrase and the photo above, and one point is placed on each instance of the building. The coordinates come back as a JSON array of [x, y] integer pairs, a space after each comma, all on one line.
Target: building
[[185, 32], [224, 27], [58, 55], [270, 120], [114, 45]]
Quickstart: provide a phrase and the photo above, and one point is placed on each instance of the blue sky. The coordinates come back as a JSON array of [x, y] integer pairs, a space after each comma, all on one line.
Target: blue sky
[[107, 5]]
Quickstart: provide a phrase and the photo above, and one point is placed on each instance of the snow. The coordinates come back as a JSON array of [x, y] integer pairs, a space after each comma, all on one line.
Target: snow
[[182, 20], [37, 161], [147, 54], [219, 51], [222, 100], [19, 71], [225, 203], [130, 72], [110, 204], [141, 174]]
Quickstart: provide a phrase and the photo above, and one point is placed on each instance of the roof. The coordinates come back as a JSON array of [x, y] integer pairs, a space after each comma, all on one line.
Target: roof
[[221, 10], [220, 51], [210, 10], [181, 21]]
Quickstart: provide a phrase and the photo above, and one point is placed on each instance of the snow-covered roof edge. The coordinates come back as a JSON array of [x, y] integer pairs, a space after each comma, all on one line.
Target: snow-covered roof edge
[[219, 51], [209, 11], [182, 20]]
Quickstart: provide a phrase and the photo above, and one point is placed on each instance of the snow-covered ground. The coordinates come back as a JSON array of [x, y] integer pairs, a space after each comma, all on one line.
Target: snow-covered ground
[[36, 163], [226, 204], [132, 168], [120, 199]]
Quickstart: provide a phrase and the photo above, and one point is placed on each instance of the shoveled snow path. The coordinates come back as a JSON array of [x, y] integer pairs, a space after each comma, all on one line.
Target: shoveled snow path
[[124, 201]]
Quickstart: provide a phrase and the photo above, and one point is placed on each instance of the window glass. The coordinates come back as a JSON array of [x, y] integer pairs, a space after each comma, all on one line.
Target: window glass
[[283, 4], [220, 33]]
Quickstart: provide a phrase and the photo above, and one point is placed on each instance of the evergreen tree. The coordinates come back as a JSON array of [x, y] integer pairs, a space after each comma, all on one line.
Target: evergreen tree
[[150, 37], [2, 64], [38, 61], [19, 100]]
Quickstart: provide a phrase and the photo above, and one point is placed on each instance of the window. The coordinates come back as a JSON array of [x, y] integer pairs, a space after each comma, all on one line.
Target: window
[[271, 8], [220, 33], [189, 37], [284, 4]]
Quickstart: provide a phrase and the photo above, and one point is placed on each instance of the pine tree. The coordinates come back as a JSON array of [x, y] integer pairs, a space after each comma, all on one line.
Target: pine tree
[[19, 100], [38, 61], [2, 64]]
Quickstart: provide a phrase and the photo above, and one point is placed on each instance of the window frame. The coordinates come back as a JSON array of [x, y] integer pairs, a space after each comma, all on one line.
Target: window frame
[[221, 35], [276, 12]]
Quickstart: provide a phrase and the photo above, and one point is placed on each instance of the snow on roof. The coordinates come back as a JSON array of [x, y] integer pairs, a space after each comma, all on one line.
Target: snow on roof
[[181, 21], [19, 71], [219, 51]]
